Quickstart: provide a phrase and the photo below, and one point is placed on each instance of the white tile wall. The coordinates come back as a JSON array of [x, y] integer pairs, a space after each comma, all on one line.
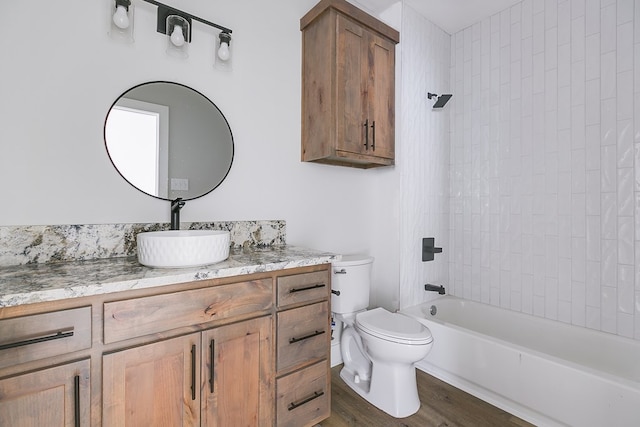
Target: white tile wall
[[422, 154], [544, 162]]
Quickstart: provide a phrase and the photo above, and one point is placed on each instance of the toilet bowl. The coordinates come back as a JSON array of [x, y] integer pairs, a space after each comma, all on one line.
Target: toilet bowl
[[378, 348]]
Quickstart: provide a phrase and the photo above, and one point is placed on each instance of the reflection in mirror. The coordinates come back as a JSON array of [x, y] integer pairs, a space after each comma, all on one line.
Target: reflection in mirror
[[169, 141]]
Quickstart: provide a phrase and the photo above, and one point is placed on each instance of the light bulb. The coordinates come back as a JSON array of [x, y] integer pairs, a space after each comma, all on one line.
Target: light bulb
[[223, 52], [177, 37], [120, 17]]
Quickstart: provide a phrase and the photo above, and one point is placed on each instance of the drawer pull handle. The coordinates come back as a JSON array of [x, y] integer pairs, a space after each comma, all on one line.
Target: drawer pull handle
[[76, 401], [212, 347], [314, 334], [315, 395], [307, 288], [58, 335], [193, 372]]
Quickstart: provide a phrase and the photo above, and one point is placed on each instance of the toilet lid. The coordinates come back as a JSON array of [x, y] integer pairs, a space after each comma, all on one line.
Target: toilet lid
[[393, 327]]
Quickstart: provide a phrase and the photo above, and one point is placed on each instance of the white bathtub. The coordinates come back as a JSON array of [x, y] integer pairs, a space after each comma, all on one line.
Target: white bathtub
[[548, 373]]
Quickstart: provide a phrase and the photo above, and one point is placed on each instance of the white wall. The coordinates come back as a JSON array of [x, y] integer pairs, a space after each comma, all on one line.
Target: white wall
[[61, 73], [545, 162]]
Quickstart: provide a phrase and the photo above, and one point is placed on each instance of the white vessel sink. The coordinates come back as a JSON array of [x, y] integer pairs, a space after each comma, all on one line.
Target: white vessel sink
[[182, 248]]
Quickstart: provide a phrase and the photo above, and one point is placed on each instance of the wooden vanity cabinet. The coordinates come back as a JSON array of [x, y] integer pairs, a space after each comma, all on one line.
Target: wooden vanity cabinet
[[57, 396], [51, 395], [348, 87], [303, 343], [174, 382], [249, 350]]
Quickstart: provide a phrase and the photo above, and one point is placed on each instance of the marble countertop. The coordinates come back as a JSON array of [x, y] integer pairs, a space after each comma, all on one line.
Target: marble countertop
[[32, 283]]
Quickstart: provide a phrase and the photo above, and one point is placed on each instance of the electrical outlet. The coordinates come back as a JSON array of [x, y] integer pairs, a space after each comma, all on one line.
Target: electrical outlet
[[179, 184]]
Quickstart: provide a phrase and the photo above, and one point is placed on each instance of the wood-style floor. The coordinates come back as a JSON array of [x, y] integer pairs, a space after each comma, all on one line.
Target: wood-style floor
[[442, 406]]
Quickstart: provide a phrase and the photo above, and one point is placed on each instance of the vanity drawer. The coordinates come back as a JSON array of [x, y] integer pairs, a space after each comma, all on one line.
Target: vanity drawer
[[303, 398], [301, 288], [160, 313], [303, 334], [40, 336]]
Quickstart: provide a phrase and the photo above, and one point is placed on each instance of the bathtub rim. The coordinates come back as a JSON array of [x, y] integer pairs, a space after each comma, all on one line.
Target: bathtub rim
[[627, 383]]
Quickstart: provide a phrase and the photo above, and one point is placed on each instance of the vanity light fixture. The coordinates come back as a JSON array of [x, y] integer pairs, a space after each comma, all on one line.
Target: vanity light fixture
[[121, 20], [178, 30], [176, 24], [223, 50]]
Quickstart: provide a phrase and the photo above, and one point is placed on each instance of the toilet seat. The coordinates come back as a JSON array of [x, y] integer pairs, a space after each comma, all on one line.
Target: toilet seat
[[393, 327]]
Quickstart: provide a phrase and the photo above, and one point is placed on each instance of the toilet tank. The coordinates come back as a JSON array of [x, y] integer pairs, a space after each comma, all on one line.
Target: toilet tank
[[351, 277]]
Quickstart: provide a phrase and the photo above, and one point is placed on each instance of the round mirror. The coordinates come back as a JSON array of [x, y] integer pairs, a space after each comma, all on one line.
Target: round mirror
[[169, 141]]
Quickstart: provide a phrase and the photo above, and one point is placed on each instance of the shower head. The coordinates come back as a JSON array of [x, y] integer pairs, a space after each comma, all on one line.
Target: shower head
[[441, 100]]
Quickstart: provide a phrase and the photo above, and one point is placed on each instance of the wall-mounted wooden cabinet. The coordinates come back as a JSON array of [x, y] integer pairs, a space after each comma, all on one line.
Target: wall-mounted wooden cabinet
[[348, 87]]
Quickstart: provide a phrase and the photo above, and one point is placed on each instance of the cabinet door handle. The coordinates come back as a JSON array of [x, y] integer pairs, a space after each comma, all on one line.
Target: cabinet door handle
[[306, 337], [76, 401], [373, 132], [315, 395], [366, 134], [212, 349], [307, 288], [58, 335], [193, 372]]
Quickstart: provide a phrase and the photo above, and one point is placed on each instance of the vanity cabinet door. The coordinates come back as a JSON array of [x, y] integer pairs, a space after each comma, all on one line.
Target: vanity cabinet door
[[56, 396], [156, 384], [237, 365]]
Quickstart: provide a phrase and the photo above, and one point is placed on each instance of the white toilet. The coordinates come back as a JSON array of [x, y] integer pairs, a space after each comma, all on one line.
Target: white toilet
[[378, 348]]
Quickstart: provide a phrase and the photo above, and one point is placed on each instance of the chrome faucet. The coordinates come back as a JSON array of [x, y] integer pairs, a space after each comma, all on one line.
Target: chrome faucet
[[434, 288], [176, 205]]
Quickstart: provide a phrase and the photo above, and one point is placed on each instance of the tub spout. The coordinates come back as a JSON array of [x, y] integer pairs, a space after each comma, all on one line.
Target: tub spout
[[435, 288]]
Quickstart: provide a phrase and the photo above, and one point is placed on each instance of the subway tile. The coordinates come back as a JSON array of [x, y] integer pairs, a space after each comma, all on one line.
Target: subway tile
[[564, 22], [592, 146], [527, 18], [609, 314], [593, 317], [564, 65], [625, 325], [608, 75], [625, 241], [538, 32], [551, 48], [516, 41], [625, 11], [626, 291], [550, 13], [625, 97], [592, 17], [577, 39], [608, 28], [608, 122], [578, 304], [564, 279], [564, 311], [593, 242], [551, 298], [592, 56], [592, 102], [578, 127], [578, 259], [609, 263], [593, 192], [527, 57], [564, 236], [625, 47], [626, 200], [625, 147], [636, 150], [609, 216], [577, 83], [577, 8], [578, 168], [578, 216], [537, 6], [593, 284]]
